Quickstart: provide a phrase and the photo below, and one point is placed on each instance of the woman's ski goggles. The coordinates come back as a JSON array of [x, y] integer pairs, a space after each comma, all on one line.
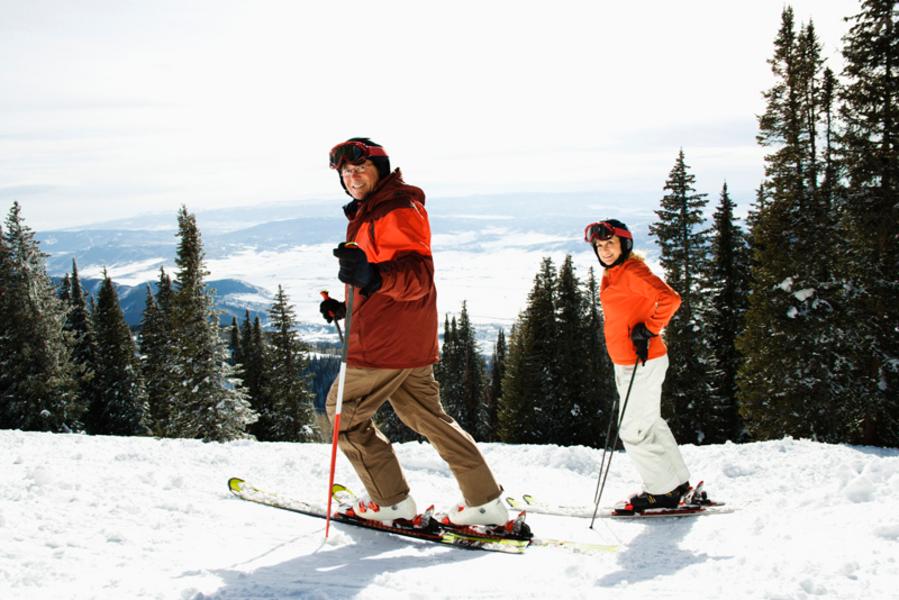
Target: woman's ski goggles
[[604, 231], [354, 153]]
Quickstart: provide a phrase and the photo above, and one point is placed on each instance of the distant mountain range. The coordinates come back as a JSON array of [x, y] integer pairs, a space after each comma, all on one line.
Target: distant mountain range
[[230, 298]]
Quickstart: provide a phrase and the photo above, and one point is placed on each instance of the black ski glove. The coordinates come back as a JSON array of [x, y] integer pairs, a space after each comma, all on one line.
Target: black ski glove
[[332, 310], [640, 337], [356, 270]]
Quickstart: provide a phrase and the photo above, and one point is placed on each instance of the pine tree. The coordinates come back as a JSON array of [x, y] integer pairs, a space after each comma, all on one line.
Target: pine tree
[[790, 379], [869, 152], [236, 356], [7, 339], [684, 245], [448, 371], [287, 379], [159, 364], [38, 385], [489, 422], [529, 386], [210, 402], [256, 364], [81, 330], [471, 374], [576, 405], [729, 286], [120, 407]]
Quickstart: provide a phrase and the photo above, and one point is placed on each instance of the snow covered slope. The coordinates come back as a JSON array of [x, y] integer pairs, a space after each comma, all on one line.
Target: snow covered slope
[[106, 517]]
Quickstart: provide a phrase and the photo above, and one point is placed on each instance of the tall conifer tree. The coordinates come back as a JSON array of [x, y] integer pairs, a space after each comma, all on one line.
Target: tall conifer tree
[[869, 152], [84, 349], [684, 244], [38, 387], [489, 422], [471, 374], [729, 286], [287, 381], [159, 364], [576, 404], [529, 386], [448, 370], [120, 407], [209, 400], [234, 345], [790, 379]]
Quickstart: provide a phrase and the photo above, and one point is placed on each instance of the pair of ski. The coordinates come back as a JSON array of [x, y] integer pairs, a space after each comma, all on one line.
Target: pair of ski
[[513, 537], [695, 503]]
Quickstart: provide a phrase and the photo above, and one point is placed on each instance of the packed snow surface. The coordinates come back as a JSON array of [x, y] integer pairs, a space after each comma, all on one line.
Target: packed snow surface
[[108, 517]]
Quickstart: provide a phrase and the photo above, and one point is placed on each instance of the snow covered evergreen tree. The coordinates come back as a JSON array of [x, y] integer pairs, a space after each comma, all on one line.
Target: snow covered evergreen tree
[[289, 417], [250, 365], [489, 421], [84, 343], [209, 401], [576, 405], [684, 244], [448, 370], [529, 386], [729, 286], [236, 356], [158, 363], [120, 406], [869, 153], [793, 371], [38, 385], [471, 374]]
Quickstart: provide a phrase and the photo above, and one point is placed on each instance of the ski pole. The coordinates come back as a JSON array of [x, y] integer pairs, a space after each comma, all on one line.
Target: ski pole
[[601, 481], [325, 295], [341, 380]]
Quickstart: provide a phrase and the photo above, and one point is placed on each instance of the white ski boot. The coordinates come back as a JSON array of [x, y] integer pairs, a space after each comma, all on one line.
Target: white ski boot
[[489, 513], [366, 508]]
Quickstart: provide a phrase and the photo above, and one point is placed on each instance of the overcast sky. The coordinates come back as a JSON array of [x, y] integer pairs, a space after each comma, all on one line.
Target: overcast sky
[[115, 108]]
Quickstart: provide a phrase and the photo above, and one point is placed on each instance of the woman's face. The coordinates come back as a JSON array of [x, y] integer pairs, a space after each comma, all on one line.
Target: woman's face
[[608, 250]]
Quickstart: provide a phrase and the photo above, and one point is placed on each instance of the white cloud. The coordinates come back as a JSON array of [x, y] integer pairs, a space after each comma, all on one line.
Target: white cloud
[[118, 108]]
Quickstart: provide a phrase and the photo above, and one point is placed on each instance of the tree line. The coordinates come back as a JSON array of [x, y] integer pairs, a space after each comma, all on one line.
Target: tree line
[[71, 364]]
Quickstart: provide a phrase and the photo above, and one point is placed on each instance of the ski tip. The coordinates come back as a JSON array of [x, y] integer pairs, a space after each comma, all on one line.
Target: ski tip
[[529, 499], [235, 484], [337, 487]]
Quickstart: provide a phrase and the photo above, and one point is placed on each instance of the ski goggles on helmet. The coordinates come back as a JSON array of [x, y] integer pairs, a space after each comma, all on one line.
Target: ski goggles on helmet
[[604, 231], [354, 153]]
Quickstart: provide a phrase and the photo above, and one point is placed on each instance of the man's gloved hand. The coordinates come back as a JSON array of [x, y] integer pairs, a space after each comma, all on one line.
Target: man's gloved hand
[[332, 310], [640, 337], [355, 269]]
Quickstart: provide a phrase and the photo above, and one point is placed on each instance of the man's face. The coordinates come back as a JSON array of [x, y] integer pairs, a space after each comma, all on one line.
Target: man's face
[[609, 250], [359, 180]]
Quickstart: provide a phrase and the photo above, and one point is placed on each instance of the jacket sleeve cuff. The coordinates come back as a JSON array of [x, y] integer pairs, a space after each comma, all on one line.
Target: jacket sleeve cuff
[[375, 284]]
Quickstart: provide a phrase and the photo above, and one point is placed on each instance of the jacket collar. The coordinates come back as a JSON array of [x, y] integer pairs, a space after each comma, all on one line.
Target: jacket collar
[[387, 189]]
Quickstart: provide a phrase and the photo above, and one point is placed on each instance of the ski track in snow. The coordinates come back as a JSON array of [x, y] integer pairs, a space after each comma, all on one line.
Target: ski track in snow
[[108, 517]]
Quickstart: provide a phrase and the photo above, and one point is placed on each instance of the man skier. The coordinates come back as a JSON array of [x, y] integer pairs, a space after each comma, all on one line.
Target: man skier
[[393, 342]]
